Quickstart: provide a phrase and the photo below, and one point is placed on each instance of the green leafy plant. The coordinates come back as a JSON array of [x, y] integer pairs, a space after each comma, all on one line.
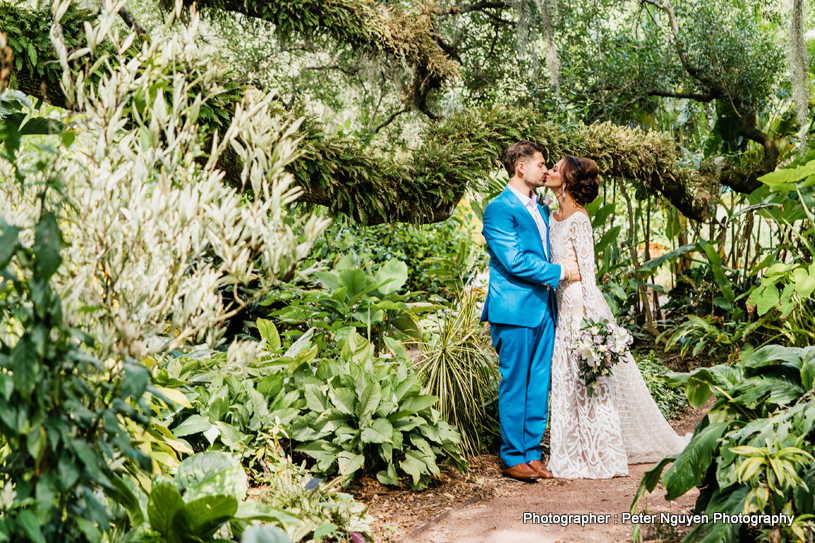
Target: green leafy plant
[[205, 501], [353, 298], [461, 370], [442, 256], [767, 395], [62, 412], [364, 414], [354, 414], [670, 400]]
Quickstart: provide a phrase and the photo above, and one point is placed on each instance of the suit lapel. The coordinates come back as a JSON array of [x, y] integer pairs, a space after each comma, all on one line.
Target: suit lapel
[[544, 211], [522, 211]]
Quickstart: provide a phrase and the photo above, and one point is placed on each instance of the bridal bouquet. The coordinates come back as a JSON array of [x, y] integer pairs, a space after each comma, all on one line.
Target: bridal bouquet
[[600, 344]]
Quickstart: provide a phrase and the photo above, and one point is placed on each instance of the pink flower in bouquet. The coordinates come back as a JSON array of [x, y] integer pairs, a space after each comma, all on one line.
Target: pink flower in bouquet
[[546, 201]]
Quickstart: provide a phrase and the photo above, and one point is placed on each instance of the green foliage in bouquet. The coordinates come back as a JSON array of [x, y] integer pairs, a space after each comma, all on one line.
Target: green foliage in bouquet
[[752, 452]]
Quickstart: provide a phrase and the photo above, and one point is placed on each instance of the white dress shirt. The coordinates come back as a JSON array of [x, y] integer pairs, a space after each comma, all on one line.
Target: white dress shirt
[[531, 205]]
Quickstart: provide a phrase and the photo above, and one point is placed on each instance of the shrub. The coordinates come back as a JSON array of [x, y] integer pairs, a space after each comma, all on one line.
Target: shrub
[[753, 450], [442, 256], [669, 399], [461, 370], [356, 414]]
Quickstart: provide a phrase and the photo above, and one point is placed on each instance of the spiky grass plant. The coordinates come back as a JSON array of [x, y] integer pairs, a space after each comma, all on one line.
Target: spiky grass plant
[[461, 370]]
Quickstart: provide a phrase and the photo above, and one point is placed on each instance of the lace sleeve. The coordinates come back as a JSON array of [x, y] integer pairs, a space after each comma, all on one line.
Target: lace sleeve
[[583, 242]]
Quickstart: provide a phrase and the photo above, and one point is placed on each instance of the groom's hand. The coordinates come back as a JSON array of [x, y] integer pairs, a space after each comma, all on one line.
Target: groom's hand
[[573, 270]]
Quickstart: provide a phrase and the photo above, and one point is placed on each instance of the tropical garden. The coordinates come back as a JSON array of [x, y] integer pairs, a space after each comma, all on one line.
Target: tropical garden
[[242, 267]]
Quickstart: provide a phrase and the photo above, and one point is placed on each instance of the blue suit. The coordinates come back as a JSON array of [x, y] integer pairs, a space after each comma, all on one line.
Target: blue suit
[[521, 309]]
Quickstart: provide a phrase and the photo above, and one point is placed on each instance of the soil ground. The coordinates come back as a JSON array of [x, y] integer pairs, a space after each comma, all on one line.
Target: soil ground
[[486, 507]]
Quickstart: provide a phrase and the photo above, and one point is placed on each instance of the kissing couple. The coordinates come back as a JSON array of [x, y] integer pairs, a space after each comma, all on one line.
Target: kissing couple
[[541, 286]]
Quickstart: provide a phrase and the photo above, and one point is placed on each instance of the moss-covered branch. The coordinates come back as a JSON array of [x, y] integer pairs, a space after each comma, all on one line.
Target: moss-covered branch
[[461, 151], [456, 154]]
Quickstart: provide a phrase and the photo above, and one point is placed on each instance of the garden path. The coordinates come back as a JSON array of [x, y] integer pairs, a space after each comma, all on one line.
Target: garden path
[[499, 519]]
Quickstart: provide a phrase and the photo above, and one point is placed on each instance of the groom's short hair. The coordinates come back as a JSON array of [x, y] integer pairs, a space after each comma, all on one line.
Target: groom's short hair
[[518, 152]]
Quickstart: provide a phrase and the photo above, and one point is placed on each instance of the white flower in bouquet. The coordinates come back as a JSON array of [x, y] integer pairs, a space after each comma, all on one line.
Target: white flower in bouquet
[[588, 354]]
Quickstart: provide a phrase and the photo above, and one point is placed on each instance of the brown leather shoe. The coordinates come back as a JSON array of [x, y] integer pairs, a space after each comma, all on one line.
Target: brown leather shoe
[[537, 467], [522, 472]]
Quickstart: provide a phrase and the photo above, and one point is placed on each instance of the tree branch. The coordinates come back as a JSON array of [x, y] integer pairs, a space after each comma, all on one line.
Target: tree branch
[[708, 97], [694, 71], [353, 70], [461, 9], [132, 22], [390, 119]]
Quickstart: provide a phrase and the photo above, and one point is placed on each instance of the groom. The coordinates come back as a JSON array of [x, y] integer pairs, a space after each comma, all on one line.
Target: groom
[[521, 308]]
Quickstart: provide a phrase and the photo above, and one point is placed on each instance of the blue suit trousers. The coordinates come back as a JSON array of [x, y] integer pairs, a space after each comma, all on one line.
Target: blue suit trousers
[[525, 361]]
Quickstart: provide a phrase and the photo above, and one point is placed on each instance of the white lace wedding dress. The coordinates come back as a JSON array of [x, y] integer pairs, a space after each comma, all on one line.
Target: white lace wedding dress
[[596, 437]]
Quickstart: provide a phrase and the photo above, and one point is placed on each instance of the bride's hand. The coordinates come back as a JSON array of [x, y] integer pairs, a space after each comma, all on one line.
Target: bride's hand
[[573, 271]]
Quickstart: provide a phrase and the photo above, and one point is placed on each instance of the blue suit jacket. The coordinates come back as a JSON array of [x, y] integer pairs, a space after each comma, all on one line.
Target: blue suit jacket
[[522, 281]]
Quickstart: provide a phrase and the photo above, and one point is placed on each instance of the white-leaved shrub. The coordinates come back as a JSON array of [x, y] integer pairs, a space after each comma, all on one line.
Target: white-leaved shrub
[[153, 237]]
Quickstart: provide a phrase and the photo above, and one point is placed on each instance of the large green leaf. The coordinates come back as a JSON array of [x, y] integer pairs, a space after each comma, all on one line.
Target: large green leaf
[[165, 500], [31, 527], [315, 399], [772, 355], [47, 244], [804, 281], [765, 298], [194, 424], [690, 466], [395, 272], [388, 476], [784, 180], [725, 500], [8, 244], [415, 404], [407, 326], [349, 462], [343, 399], [202, 517], [414, 465], [330, 280], [368, 402], [268, 331], [354, 280], [378, 432], [264, 534], [808, 373], [599, 216], [209, 474], [125, 492]]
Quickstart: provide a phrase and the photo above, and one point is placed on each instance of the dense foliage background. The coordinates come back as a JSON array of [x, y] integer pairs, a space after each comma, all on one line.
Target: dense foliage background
[[241, 254]]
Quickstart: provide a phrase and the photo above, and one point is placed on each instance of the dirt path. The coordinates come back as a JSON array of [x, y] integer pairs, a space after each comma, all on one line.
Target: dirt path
[[487, 507], [500, 519]]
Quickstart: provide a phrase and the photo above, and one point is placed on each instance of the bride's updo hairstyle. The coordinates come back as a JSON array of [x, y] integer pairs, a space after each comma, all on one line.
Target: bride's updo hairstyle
[[580, 179]]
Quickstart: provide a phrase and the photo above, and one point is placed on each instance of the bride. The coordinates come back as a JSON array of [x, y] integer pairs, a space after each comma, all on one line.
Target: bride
[[593, 437]]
